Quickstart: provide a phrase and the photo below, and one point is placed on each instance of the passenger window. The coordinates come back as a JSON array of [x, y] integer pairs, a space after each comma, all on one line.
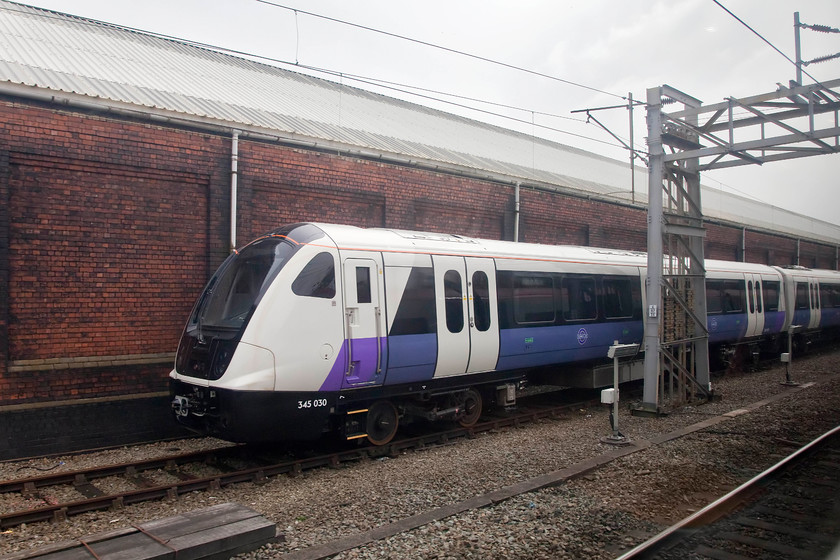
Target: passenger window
[[363, 284], [317, 279], [533, 299], [416, 313], [578, 298], [453, 294], [714, 298], [829, 295], [802, 296], [771, 296], [733, 296], [618, 298], [758, 297], [481, 301]]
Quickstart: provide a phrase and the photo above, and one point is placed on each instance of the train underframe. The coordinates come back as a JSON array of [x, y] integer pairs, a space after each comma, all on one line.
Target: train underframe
[[373, 414], [746, 354]]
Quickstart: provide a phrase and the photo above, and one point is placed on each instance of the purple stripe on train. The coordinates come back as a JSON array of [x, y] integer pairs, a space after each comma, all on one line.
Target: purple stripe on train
[[403, 359]]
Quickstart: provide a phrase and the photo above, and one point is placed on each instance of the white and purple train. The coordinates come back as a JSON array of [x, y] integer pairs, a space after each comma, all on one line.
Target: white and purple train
[[316, 329]]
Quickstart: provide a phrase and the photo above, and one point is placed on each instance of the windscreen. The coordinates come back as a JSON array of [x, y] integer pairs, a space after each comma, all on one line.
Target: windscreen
[[240, 282], [243, 278], [222, 312]]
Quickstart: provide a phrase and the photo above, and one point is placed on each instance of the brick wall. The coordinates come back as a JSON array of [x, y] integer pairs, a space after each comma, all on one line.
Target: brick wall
[[110, 228], [768, 249], [84, 424], [110, 238], [4, 261]]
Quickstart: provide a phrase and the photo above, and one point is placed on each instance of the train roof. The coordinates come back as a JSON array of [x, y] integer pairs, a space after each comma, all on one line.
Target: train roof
[[804, 272], [396, 240]]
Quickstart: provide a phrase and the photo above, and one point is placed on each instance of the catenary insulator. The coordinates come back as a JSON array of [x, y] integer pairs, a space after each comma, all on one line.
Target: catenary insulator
[[821, 28], [822, 59]]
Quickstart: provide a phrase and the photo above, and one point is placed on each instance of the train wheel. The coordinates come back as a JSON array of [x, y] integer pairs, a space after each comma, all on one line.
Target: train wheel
[[472, 406], [382, 422]]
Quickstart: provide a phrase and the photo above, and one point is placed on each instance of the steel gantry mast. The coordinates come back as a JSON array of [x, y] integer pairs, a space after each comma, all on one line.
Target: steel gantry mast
[[675, 323], [791, 122]]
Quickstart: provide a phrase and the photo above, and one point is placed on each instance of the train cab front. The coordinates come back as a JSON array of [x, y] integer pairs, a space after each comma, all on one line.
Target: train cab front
[[223, 384], [249, 416]]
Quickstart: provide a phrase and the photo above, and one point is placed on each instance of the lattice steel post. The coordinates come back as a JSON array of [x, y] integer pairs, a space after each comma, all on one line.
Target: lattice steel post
[[653, 286], [676, 338]]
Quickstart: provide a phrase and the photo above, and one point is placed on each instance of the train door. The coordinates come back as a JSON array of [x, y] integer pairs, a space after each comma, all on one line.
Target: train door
[[451, 305], [362, 315], [806, 303], [816, 311], [755, 306], [483, 314]]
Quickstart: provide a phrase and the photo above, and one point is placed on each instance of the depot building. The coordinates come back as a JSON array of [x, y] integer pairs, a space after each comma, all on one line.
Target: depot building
[[131, 165]]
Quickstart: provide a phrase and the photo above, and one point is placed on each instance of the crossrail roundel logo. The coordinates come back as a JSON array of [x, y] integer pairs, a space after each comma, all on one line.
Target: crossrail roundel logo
[[582, 336]]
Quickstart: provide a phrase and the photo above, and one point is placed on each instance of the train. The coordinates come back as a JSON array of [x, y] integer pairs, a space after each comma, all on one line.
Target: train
[[321, 329]]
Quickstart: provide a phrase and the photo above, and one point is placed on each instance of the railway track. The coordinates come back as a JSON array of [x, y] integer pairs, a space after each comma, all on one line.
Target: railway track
[[791, 510], [119, 485]]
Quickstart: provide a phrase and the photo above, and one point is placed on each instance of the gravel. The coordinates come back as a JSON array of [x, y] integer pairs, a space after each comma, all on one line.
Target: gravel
[[596, 516]]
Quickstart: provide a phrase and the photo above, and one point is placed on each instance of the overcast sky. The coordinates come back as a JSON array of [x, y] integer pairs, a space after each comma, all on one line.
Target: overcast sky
[[612, 47]]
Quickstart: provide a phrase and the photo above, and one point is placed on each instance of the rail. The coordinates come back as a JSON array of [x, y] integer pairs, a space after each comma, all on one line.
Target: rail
[[733, 520], [98, 500]]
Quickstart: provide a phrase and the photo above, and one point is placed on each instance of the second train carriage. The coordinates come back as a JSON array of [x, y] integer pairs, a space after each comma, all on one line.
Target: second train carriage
[[320, 328], [813, 298]]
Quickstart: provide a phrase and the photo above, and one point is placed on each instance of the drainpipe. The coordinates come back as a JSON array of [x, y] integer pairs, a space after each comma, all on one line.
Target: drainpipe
[[744, 244], [234, 170], [516, 212]]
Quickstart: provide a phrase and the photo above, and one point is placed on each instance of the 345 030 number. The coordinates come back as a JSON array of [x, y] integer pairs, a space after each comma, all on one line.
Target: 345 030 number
[[312, 403]]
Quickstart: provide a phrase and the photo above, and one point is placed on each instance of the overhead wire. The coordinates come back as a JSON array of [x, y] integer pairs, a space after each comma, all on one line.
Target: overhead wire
[[723, 185], [393, 86], [461, 53], [476, 109], [387, 83], [760, 36], [440, 47]]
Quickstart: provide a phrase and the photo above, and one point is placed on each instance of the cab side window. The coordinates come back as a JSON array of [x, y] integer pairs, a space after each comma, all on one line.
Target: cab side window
[[317, 279]]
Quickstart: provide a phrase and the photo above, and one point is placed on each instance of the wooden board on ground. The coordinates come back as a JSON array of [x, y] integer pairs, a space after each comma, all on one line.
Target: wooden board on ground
[[211, 533]]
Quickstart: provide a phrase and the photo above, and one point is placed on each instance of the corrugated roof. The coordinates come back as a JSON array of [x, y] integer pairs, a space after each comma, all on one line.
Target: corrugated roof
[[74, 55], [59, 52]]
